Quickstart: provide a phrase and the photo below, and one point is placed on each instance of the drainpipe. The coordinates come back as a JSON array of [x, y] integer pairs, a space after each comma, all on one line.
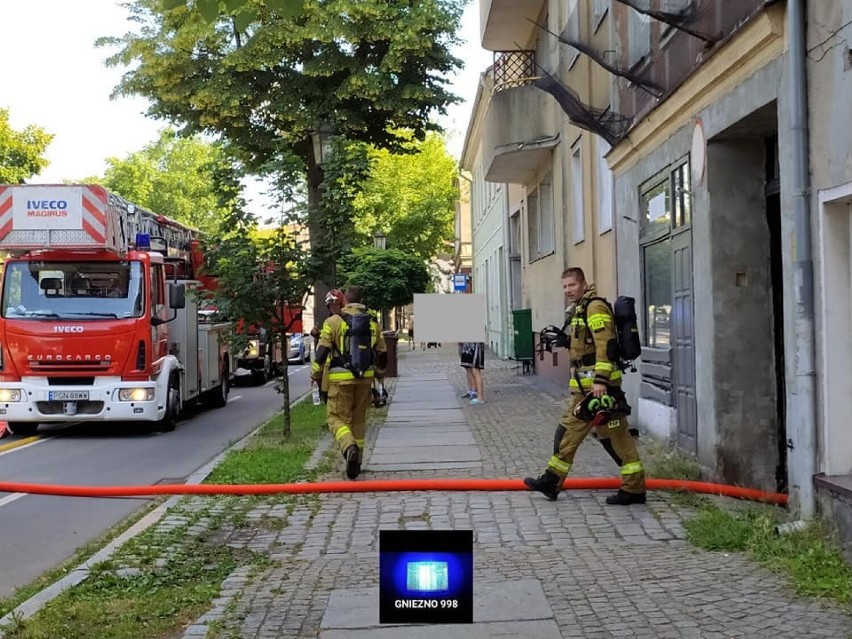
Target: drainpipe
[[802, 462]]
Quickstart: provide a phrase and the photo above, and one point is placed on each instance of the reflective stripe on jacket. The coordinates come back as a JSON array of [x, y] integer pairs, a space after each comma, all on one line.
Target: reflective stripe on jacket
[[332, 337], [589, 339]]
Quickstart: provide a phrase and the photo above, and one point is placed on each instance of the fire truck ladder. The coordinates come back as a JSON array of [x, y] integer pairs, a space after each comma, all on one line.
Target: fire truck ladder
[[136, 220]]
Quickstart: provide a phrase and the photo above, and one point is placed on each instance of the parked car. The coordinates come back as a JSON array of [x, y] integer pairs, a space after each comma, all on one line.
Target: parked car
[[260, 360], [299, 350]]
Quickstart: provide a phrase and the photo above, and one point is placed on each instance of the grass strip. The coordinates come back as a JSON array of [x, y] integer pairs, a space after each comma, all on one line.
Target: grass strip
[[810, 559], [164, 579]]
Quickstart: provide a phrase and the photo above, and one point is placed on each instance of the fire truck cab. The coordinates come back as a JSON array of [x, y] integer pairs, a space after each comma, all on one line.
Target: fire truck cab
[[99, 317]]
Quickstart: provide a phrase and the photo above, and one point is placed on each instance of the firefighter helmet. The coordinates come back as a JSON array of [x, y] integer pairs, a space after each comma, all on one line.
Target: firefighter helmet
[[601, 409], [335, 296], [596, 410], [552, 336]]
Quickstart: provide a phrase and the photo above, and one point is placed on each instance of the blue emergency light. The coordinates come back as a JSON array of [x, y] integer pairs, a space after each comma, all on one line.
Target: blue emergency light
[[427, 576], [143, 241]]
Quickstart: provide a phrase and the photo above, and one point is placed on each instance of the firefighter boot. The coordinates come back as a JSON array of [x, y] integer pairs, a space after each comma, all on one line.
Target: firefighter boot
[[353, 461], [623, 498], [547, 484]]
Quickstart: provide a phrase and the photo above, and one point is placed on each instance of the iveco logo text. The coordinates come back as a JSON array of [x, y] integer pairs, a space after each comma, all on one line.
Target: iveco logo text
[[69, 358], [47, 208], [67, 329]]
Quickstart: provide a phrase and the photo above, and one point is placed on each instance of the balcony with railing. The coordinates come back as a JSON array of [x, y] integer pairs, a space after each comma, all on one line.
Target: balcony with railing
[[519, 132]]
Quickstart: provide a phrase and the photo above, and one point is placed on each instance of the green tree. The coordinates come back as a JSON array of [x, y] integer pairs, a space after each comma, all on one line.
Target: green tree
[[242, 11], [258, 274], [266, 80], [388, 278], [410, 197], [172, 176], [21, 152]]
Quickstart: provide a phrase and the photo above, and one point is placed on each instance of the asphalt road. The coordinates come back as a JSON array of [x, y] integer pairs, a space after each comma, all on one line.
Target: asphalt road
[[38, 532]]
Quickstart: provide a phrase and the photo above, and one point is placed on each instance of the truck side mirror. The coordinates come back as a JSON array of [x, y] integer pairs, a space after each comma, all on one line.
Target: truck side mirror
[[177, 296], [177, 300]]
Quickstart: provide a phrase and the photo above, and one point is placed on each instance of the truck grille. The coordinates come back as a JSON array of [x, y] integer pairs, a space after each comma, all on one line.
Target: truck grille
[[86, 407], [70, 381], [55, 367]]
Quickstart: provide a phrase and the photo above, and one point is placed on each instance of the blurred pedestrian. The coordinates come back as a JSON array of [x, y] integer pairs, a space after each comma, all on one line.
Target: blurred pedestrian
[[472, 355]]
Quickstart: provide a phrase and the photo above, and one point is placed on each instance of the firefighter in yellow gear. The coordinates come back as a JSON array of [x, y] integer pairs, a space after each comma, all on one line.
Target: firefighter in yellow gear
[[349, 394], [335, 300], [592, 333]]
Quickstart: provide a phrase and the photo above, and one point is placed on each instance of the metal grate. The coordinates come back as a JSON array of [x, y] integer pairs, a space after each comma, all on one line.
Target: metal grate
[[48, 238], [513, 69]]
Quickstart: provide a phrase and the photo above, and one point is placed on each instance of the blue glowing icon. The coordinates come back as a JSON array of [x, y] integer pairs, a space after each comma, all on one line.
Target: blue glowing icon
[[427, 576]]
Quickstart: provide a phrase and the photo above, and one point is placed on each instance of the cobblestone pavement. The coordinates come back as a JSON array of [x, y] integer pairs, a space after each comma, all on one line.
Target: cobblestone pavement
[[605, 571]]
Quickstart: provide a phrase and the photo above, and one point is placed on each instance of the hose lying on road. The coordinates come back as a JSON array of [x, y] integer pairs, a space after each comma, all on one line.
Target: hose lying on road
[[493, 485]]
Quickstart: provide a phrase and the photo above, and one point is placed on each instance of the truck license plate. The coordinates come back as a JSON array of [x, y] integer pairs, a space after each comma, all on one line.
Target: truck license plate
[[65, 396]]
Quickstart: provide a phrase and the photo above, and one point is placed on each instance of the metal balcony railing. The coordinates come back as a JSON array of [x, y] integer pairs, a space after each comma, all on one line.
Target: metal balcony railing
[[513, 69]]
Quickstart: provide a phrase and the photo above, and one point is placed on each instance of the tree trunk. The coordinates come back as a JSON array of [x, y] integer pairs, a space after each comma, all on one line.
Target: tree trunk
[[319, 238], [284, 387]]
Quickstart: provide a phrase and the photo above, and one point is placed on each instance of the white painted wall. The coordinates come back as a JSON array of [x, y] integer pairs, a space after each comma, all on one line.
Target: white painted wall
[[489, 206]]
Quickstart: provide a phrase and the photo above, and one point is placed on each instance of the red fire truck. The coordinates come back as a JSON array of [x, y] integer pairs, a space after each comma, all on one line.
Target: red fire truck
[[98, 317]]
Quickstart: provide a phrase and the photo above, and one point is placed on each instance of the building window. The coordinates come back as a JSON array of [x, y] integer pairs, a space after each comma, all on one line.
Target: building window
[[657, 263], [676, 7], [605, 188], [542, 42], [532, 224], [540, 219], [515, 235], [639, 36], [600, 9], [666, 206], [545, 217], [682, 202], [656, 210], [573, 30], [578, 213]]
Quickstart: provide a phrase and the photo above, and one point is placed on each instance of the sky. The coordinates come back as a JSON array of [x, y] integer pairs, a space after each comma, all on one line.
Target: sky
[[54, 77]]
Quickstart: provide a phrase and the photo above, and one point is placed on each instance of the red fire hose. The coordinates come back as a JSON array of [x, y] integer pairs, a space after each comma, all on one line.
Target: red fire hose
[[492, 485]]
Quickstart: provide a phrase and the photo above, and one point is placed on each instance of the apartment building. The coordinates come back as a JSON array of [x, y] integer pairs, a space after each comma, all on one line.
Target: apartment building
[[462, 243], [828, 65], [723, 206], [490, 245], [706, 184], [539, 175]]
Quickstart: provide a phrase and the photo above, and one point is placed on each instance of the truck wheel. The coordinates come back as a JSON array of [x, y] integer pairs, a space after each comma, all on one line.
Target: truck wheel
[[170, 419], [23, 429], [218, 397]]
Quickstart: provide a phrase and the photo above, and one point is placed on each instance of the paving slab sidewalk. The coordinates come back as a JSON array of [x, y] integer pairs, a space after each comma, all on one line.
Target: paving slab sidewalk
[[574, 568]]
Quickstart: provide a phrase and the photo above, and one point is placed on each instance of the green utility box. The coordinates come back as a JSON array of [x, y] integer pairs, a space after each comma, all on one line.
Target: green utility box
[[522, 318]]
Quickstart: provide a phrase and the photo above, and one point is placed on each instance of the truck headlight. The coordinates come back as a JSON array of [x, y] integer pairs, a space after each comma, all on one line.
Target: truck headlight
[[9, 395], [136, 395], [253, 349]]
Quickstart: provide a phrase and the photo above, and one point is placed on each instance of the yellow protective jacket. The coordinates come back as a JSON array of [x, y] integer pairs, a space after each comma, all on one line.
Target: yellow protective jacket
[[332, 344], [590, 342]]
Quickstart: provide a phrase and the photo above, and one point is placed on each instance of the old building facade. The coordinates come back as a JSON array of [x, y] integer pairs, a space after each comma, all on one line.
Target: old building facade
[[723, 207], [553, 186]]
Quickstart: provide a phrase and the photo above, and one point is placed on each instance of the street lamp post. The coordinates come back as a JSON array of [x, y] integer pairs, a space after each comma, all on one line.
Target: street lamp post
[[380, 240], [322, 141], [322, 147]]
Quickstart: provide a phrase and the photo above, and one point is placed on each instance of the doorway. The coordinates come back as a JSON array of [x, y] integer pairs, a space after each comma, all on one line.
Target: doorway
[[773, 222]]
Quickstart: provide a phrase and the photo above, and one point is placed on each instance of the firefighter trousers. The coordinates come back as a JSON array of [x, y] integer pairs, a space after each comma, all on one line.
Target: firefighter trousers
[[576, 430], [348, 402]]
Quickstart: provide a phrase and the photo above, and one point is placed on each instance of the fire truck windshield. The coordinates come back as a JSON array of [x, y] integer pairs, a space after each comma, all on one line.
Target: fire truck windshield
[[73, 290]]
